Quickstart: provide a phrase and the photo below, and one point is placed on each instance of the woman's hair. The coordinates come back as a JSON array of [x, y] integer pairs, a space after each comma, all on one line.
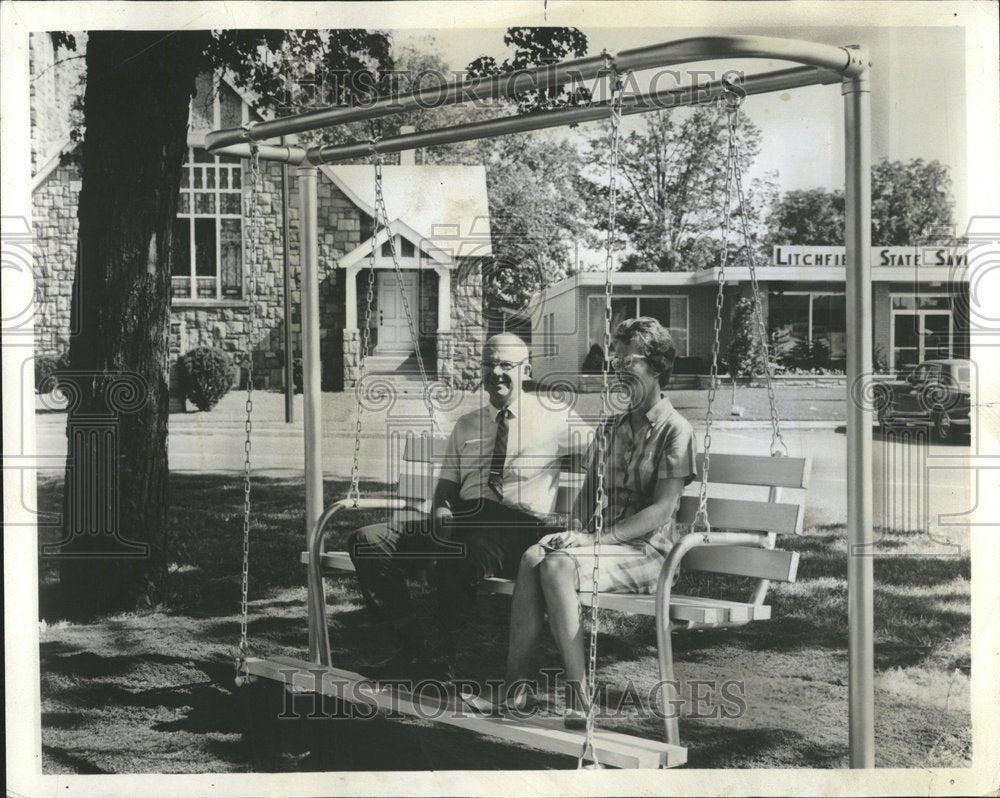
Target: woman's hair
[[653, 342]]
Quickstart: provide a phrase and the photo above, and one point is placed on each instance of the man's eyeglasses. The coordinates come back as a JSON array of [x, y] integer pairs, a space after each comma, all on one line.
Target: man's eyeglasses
[[619, 363], [505, 365]]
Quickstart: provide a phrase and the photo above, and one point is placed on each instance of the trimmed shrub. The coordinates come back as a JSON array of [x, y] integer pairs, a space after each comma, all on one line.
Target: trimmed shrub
[[205, 375], [46, 369]]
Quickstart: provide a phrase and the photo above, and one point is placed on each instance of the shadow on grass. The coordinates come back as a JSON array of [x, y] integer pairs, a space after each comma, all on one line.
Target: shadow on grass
[[715, 745], [206, 544]]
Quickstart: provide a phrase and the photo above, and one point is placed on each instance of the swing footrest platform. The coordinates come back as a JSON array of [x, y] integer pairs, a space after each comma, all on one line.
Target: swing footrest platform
[[544, 733], [686, 611]]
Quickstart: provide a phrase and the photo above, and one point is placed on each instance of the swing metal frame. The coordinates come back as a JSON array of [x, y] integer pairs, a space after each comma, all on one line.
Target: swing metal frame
[[816, 64]]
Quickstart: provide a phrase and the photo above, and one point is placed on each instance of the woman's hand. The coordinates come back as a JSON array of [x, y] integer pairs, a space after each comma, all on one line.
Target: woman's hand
[[565, 540]]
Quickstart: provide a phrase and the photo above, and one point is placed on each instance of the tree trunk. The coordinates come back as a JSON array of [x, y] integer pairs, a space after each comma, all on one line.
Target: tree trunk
[[139, 86]]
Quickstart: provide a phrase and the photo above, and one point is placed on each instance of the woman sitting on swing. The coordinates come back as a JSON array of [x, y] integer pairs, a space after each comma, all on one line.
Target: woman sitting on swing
[[650, 457]]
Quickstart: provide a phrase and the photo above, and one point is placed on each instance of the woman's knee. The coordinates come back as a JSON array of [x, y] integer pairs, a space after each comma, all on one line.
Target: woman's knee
[[557, 568], [533, 556]]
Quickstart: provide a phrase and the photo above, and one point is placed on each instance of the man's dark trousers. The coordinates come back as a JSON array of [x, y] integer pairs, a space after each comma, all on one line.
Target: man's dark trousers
[[483, 539]]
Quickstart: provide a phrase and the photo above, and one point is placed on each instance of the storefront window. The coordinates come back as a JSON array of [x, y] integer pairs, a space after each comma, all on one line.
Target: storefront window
[[671, 312], [795, 319], [829, 322], [788, 318]]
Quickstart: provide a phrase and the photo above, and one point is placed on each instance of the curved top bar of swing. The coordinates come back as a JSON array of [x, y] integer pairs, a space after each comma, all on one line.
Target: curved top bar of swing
[[794, 77], [846, 61], [479, 88]]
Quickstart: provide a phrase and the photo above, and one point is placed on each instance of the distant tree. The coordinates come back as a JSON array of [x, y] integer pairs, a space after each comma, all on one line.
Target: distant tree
[[813, 216], [910, 201], [537, 209], [672, 188], [537, 194]]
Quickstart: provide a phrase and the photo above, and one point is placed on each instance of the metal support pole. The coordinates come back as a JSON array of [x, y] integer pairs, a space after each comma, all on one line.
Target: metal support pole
[[313, 422], [860, 540], [287, 279]]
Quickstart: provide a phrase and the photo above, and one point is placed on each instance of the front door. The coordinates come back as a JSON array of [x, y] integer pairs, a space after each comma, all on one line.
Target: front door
[[393, 331]]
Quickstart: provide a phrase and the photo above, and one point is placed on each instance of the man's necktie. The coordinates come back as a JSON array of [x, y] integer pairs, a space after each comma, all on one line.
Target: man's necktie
[[499, 455]]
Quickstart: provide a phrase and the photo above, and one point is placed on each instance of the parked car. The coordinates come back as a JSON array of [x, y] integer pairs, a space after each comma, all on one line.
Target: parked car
[[935, 393]]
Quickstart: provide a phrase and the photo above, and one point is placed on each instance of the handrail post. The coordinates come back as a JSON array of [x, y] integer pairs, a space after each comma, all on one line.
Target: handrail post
[[860, 616], [312, 417]]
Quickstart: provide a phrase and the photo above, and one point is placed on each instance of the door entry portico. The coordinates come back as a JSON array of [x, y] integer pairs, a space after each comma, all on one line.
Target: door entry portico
[[393, 330]]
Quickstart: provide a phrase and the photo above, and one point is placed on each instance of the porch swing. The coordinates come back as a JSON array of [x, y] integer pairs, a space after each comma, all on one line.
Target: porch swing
[[745, 548]]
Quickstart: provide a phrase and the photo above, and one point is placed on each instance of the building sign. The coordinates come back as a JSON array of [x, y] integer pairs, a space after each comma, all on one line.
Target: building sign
[[933, 255]]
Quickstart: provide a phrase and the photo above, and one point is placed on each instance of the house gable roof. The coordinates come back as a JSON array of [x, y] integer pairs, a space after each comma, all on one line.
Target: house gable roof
[[195, 137], [445, 207]]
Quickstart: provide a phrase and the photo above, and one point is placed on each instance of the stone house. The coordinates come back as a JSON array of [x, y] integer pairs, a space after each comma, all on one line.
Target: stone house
[[439, 221]]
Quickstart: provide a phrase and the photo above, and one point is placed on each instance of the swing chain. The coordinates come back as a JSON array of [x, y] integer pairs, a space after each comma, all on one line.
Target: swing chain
[[731, 108], [354, 492], [384, 216], [602, 426], [253, 216], [776, 437]]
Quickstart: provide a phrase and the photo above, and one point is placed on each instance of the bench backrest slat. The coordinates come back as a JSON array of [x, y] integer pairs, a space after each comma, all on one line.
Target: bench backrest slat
[[423, 455], [745, 469], [741, 514], [774, 564]]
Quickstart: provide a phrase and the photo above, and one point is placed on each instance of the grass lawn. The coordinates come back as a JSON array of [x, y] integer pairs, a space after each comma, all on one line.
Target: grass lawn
[[152, 692]]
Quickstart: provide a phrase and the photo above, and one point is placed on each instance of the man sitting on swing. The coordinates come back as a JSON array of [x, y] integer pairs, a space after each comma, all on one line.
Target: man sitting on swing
[[494, 498]]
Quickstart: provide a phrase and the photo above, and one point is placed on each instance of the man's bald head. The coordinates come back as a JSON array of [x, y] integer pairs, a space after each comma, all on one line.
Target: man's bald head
[[505, 367], [506, 346]]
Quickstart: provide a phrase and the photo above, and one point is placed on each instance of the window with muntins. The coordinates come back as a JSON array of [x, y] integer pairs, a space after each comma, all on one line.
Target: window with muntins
[[208, 230]]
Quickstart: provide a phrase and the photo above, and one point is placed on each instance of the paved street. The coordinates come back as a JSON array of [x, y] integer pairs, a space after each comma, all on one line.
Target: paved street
[[915, 482]]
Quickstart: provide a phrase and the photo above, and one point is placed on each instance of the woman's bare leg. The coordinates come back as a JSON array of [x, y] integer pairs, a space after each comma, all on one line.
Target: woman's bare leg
[[557, 574], [527, 614]]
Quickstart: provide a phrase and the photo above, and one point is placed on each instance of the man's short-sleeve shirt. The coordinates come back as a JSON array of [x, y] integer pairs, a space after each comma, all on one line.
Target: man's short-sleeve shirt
[[538, 438]]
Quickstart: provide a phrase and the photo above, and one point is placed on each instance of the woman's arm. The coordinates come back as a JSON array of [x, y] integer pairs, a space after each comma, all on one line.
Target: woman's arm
[[649, 519]]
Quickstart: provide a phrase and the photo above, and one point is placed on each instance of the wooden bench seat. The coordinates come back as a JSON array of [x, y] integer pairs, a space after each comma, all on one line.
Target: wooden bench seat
[[683, 609], [741, 543]]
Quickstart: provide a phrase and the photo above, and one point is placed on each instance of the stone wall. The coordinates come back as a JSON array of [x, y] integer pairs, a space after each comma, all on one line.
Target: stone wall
[[224, 324], [55, 228], [467, 324], [55, 85]]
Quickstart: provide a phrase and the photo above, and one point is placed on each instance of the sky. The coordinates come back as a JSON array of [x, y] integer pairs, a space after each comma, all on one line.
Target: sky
[[918, 95]]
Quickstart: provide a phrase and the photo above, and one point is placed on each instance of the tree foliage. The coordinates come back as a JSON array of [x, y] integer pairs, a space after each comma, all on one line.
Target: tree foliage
[[813, 216], [537, 47], [672, 183], [538, 210], [911, 201], [538, 197]]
